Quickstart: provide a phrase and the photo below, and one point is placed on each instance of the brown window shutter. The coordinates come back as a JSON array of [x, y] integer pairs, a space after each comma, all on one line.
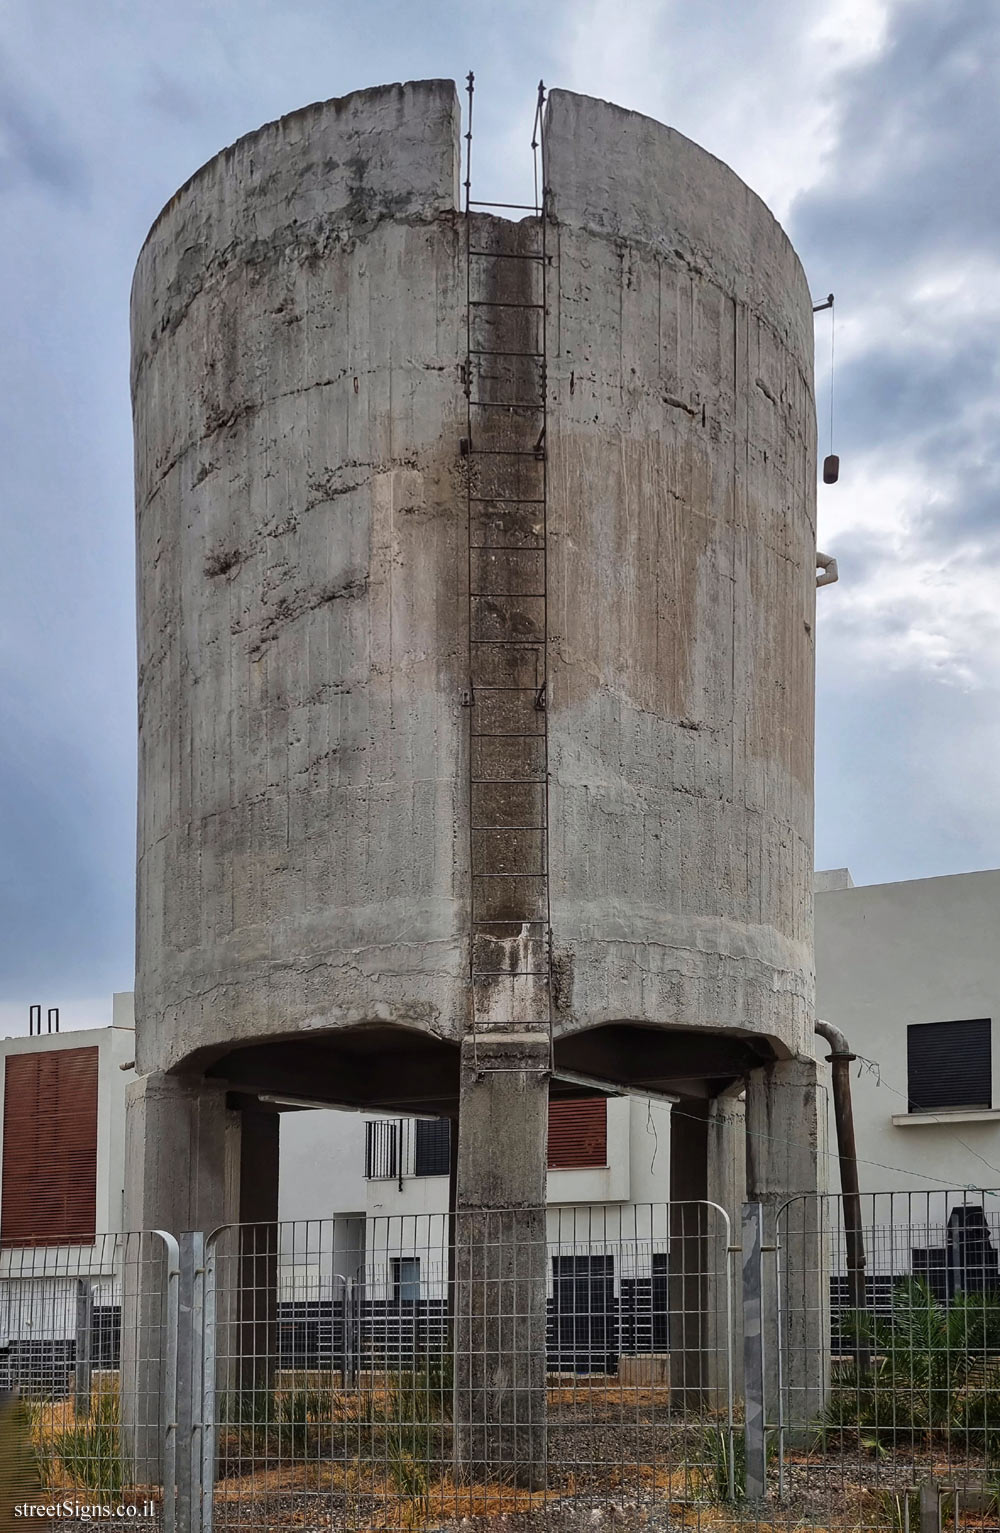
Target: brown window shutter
[[578, 1133], [48, 1194]]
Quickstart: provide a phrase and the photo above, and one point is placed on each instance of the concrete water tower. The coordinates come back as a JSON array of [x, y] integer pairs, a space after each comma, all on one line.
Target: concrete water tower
[[476, 598]]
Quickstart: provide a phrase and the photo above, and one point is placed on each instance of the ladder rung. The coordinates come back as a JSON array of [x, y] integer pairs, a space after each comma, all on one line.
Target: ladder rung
[[503, 404], [513, 644], [485, 1069], [507, 452], [524, 207], [541, 874], [528, 921], [509, 974], [503, 782], [499, 303], [503, 255], [533, 595], [507, 500], [475, 828], [488, 687], [482, 351], [508, 734]]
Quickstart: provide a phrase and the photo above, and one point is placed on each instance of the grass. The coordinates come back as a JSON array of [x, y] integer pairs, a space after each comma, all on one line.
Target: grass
[[85, 1453], [403, 1423], [934, 1371]]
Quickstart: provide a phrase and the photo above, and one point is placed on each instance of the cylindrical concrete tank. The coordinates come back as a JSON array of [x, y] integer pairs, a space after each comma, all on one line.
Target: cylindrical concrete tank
[[299, 342], [682, 586]]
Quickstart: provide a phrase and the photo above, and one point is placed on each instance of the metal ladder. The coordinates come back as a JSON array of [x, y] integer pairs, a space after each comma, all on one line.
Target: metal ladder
[[505, 385]]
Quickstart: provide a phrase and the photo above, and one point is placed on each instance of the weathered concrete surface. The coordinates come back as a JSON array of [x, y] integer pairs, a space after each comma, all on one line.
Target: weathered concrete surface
[[501, 1256], [298, 323], [299, 340], [786, 1166], [193, 1164], [681, 587], [182, 1155], [299, 335]]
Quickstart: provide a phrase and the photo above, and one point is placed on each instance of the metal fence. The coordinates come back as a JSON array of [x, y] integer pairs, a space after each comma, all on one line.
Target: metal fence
[[89, 1348], [655, 1366], [886, 1412]]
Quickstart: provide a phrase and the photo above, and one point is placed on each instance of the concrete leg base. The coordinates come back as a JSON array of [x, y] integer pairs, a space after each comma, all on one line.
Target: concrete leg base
[[179, 1141], [786, 1169], [500, 1262]]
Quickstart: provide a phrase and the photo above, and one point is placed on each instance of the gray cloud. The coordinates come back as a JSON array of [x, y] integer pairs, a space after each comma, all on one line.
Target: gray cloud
[[915, 169], [34, 144], [103, 113]]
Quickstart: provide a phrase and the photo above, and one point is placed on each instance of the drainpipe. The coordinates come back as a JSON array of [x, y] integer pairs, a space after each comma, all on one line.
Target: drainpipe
[[841, 1058]]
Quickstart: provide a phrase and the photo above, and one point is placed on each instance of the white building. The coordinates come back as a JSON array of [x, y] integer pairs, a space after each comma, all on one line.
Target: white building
[[62, 1157], [383, 1183], [910, 973]]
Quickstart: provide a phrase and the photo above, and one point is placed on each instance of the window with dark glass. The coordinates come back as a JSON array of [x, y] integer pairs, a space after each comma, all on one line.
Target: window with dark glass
[[948, 1065], [432, 1147]]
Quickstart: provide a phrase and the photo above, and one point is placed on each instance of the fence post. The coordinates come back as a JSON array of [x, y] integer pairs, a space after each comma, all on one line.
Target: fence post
[[929, 1506], [753, 1353], [83, 1364], [210, 1344], [190, 1363], [163, 1346]]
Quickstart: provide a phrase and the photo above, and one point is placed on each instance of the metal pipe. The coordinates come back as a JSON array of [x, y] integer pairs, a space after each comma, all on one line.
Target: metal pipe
[[841, 1058], [828, 564]]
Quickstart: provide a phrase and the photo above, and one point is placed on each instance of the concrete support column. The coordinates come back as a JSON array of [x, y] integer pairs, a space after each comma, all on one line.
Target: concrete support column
[[688, 1283], [500, 1260], [786, 1166], [727, 1187], [180, 1174], [257, 1308], [702, 1315]]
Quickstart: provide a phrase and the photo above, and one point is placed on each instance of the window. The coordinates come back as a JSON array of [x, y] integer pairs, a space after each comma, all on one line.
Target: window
[[406, 1279], [578, 1133], [381, 1149], [584, 1311], [949, 1065], [432, 1150], [49, 1187]]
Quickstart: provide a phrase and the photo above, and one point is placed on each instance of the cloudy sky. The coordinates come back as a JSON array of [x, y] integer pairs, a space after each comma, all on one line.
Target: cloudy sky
[[872, 128]]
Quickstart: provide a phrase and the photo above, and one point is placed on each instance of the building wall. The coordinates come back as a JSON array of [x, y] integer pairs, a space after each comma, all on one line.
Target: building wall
[[613, 1210], [888, 955], [116, 1048]]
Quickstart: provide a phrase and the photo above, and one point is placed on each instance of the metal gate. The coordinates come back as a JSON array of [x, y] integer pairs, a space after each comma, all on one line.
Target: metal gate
[[89, 1349], [885, 1405], [327, 1389]]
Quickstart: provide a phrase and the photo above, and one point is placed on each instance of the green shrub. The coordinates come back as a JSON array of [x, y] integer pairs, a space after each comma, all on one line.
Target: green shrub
[[931, 1369]]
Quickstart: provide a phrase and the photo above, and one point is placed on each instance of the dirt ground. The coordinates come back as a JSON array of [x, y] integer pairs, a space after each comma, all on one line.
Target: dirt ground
[[618, 1461]]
